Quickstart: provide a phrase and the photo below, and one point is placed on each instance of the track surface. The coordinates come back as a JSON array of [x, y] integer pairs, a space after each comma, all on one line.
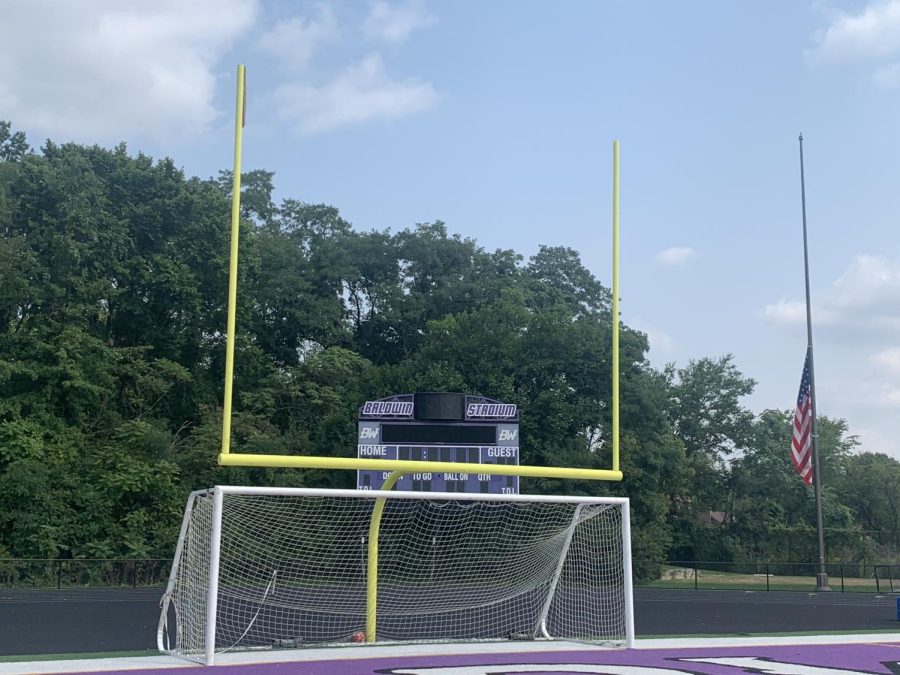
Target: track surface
[[687, 657], [105, 620]]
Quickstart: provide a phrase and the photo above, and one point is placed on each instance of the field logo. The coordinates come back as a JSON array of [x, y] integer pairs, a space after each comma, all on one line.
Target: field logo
[[721, 665]]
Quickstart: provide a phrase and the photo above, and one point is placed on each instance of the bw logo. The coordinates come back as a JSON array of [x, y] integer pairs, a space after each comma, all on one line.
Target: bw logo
[[509, 434], [368, 432]]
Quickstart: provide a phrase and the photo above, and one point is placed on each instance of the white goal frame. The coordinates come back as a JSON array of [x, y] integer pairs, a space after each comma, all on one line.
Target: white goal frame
[[208, 604]]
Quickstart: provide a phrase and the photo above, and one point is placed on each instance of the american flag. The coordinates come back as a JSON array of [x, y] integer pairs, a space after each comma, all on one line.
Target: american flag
[[801, 445]]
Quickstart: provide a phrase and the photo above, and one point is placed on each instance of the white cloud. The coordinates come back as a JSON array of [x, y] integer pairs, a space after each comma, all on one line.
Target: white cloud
[[296, 39], [889, 396], [361, 93], [785, 311], [676, 255], [101, 71], [866, 297], [394, 23], [873, 33], [870, 282], [888, 360], [870, 36]]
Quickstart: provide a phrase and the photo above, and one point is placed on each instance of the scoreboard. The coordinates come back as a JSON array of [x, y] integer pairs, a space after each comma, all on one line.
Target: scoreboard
[[440, 427]]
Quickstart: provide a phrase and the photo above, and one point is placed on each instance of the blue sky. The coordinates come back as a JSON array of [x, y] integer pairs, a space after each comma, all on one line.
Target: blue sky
[[498, 118]]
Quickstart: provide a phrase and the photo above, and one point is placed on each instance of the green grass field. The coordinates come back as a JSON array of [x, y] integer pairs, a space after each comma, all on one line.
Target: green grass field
[[713, 579]]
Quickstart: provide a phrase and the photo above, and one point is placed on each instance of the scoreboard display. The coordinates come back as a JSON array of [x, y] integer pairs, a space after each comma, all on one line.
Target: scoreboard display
[[440, 427]]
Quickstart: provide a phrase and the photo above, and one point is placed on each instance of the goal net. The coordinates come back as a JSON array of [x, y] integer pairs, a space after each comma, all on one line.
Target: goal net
[[263, 568]]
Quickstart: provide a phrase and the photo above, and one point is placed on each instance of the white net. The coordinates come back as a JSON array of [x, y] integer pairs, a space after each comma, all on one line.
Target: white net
[[292, 569]]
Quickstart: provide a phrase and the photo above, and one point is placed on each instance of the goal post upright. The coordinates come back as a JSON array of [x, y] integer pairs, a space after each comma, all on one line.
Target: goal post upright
[[615, 310], [372, 559], [239, 117]]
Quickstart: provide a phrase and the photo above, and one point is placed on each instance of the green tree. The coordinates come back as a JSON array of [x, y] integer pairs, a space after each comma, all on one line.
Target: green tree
[[871, 490], [705, 411], [774, 511]]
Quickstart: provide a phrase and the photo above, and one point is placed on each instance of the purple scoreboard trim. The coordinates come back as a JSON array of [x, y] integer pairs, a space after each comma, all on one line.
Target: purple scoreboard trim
[[839, 659]]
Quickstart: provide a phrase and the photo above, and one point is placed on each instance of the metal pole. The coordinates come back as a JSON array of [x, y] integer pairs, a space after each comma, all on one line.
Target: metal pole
[[212, 594], [822, 576]]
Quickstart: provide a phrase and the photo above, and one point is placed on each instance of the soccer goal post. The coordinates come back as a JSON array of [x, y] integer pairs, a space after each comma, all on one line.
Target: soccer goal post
[[273, 568]]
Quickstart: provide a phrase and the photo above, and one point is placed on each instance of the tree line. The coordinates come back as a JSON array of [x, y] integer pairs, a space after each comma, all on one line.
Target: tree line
[[113, 278]]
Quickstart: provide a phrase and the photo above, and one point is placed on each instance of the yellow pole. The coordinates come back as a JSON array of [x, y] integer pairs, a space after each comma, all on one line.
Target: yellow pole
[[232, 275], [372, 563], [615, 311]]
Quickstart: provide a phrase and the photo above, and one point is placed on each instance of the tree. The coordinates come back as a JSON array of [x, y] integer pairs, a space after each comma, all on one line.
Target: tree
[[13, 145], [871, 489], [706, 415], [398, 283], [774, 511]]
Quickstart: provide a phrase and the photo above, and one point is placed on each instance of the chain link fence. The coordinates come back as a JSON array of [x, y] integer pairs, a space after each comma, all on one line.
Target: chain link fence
[[769, 576], [83, 573], [692, 574]]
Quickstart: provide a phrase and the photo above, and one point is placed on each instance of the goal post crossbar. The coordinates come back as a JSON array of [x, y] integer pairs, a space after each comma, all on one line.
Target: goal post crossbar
[[414, 466]]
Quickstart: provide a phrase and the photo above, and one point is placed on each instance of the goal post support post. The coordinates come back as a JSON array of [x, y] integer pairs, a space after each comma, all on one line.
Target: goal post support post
[[372, 559]]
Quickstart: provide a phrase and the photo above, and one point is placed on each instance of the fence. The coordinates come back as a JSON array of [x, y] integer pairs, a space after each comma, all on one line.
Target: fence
[[768, 576], [698, 575], [83, 573]]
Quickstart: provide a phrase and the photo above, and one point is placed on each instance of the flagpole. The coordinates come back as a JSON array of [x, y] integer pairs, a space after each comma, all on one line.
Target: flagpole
[[822, 575]]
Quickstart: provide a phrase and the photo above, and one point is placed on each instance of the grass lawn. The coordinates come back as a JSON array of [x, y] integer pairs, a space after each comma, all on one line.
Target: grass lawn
[[712, 579]]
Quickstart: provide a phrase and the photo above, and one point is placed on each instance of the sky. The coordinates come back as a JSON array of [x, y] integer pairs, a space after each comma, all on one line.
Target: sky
[[498, 118]]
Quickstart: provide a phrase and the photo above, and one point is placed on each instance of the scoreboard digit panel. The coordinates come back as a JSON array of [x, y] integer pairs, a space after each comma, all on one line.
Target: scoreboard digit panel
[[440, 428]]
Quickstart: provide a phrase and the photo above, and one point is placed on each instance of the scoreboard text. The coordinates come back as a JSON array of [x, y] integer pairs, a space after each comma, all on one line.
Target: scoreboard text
[[440, 428]]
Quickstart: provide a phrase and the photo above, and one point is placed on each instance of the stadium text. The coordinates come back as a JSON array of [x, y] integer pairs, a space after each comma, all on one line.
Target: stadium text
[[492, 410]]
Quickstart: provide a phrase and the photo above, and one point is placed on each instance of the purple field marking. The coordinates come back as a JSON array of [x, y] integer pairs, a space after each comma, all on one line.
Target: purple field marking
[[789, 660]]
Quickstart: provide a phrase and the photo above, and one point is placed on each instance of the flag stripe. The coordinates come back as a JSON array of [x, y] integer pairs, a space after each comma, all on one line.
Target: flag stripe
[[801, 444]]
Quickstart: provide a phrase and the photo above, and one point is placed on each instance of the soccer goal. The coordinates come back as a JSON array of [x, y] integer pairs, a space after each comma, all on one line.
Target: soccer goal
[[270, 568]]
